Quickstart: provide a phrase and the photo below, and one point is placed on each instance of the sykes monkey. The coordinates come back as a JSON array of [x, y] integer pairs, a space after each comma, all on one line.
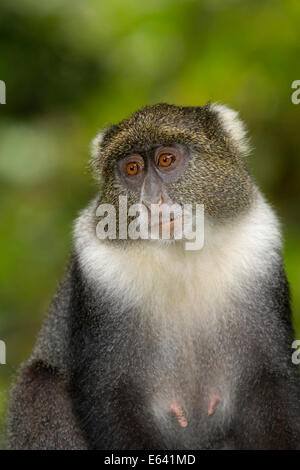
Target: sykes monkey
[[151, 346]]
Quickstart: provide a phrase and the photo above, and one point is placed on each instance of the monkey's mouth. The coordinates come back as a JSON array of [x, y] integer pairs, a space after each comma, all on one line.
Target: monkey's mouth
[[165, 220], [162, 219], [169, 220], [162, 223]]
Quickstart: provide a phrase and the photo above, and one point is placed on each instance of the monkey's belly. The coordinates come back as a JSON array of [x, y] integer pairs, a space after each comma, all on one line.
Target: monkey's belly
[[174, 408], [179, 411], [187, 409], [176, 388], [163, 401], [181, 387], [188, 418]]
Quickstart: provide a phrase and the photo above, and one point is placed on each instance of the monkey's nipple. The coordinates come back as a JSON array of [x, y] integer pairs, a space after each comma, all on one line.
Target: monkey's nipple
[[176, 409], [213, 401]]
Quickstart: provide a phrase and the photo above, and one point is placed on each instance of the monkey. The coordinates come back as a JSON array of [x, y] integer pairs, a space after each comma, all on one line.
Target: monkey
[[148, 345]]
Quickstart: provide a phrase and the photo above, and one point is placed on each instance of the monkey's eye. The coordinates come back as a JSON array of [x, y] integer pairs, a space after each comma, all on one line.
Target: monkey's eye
[[133, 165], [166, 159], [132, 168]]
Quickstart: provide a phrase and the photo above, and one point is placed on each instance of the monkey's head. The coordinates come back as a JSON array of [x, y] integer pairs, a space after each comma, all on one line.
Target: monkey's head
[[171, 154]]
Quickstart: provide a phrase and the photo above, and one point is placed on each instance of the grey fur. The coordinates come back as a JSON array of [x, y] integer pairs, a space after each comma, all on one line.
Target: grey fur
[[115, 350]]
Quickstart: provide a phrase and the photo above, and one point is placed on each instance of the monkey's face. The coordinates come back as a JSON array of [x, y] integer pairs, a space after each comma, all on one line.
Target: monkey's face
[[183, 155]]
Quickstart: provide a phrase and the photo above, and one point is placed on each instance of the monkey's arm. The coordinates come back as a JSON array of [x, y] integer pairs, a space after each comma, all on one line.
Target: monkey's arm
[[269, 418], [40, 414], [268, 403]]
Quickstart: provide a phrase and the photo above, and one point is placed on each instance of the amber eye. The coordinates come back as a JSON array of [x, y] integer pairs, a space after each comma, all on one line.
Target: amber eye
[[166, 159], [132, 168]]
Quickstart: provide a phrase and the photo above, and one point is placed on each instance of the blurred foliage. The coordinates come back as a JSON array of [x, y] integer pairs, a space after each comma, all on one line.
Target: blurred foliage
[[72, 67]]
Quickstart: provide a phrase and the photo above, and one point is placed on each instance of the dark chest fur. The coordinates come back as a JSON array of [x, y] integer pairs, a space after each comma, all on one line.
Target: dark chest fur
[[168, 387]]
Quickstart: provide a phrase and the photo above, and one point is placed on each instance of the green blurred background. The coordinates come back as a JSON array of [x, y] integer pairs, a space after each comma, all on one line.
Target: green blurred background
[[72, 67]]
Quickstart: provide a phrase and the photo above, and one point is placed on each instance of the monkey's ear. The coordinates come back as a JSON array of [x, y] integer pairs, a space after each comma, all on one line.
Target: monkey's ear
[[96, 163], [96, 144], [233, 127]]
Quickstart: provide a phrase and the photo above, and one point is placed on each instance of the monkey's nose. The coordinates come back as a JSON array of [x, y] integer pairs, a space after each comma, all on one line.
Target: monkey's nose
[[148, 203]]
